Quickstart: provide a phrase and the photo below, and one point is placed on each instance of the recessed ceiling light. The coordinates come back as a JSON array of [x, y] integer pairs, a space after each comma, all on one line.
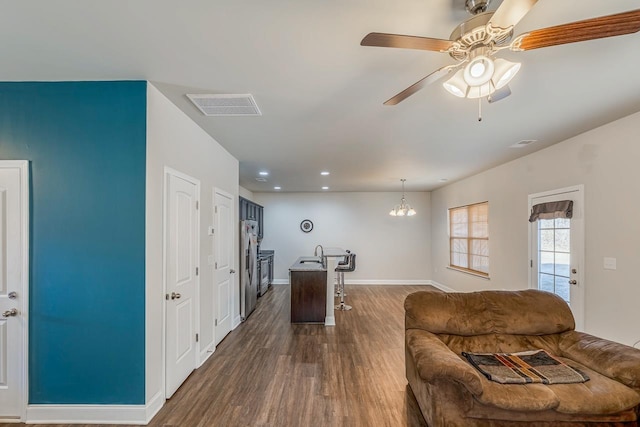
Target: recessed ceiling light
[[325, 173], [263, 173], [443, 180], [325, 188], [261, 179], [277, 188]]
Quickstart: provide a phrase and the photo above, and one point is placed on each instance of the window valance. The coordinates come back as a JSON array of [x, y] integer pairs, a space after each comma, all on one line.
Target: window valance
[[551, 210]]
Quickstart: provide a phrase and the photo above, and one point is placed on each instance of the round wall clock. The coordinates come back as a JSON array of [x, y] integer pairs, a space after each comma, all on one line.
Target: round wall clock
[[306, 225]]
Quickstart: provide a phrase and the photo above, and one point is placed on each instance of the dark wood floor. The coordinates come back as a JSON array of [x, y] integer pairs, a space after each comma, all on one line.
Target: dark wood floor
[[268, 372]]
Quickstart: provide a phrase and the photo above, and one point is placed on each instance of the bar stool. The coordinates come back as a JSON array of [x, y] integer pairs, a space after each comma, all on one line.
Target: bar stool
[[336, 283], [341, 269]]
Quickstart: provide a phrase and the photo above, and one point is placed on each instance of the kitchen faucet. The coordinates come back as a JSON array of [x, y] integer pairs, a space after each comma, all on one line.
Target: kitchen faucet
[[315, 253]]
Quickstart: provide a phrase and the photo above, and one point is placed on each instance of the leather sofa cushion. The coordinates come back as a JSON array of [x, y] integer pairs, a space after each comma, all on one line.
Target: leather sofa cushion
[[500, 343], [599, 395], [527, 312]]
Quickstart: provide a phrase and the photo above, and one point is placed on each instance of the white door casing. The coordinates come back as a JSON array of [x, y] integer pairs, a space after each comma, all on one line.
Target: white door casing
[[181, 278], [575, 269], [14, 286], [223, 266]]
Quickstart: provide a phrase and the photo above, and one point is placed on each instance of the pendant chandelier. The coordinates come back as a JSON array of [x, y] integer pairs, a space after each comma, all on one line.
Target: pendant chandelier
[[404, 208]]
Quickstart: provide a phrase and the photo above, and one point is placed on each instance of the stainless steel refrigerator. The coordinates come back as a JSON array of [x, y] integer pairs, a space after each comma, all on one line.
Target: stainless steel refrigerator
[[249, 267]]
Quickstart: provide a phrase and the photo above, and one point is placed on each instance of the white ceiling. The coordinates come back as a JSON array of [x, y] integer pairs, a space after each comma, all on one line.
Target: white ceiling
[[320, 92]]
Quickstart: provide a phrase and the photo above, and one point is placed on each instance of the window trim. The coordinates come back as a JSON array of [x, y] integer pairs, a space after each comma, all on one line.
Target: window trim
[[468, 239]]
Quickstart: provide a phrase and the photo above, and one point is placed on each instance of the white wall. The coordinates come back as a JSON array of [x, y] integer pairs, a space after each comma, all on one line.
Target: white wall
[[389, 250], [174, 140], [243, 192], [605, 160]]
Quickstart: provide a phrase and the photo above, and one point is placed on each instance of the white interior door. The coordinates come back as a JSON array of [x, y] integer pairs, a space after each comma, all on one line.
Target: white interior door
[[223, 274], [14, 225], [181, 279], [557, 251]]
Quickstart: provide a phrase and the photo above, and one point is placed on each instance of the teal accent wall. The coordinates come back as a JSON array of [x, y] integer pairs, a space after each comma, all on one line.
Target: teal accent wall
[[86, 143]]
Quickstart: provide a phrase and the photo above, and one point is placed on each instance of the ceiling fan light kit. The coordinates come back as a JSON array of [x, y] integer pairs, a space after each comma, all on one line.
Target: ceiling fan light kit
[[475, 43], [481, 77]]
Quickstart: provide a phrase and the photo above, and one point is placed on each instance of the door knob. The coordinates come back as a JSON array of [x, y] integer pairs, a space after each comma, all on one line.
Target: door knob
[[10, 313], [232, 271], [175, 295], [573, 282]]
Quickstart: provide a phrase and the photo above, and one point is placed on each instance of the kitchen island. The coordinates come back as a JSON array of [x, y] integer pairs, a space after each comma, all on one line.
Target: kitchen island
[[308, 278], [306, 288]]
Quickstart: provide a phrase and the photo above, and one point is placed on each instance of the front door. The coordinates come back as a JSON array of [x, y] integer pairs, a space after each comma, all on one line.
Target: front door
[[557, 251], [223, 241], [181, 278], [14, 226]]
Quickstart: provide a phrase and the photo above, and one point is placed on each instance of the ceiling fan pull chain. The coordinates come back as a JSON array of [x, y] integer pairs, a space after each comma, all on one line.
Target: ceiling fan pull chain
[[479, 109]]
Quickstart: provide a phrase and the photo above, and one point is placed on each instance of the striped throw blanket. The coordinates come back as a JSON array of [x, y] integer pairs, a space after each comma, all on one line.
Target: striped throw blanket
[[526, 367]]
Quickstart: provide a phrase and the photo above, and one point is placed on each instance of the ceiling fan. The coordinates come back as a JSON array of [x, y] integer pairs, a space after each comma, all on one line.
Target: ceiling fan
[[478, 73]]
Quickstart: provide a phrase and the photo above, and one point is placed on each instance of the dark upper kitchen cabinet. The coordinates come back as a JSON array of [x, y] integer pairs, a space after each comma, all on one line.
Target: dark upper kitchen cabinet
[[254, 212]]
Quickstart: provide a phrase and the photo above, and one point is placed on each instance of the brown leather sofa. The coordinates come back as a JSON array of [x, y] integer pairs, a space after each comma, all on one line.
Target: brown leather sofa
[[440, 326]]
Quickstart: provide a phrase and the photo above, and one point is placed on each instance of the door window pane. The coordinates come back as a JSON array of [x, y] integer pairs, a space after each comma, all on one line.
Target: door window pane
[[562, 264], [562, 287], [546, 263], [562, 240], [546, 282], [545, 223], [546, 240], [554, 258]]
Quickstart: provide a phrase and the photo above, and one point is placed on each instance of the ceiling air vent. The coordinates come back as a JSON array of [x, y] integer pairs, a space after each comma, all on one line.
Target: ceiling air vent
[[523, 143], [226, 105]]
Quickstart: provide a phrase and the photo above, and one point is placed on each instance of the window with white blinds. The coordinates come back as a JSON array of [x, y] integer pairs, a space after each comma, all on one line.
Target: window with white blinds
[[469, 238]]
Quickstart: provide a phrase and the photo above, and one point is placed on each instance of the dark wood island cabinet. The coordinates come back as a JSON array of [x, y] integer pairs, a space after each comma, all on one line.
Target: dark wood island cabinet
[[308, 278]]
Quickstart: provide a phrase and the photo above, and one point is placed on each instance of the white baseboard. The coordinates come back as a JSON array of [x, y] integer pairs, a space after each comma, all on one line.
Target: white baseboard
[[95, 414], [236, 323], [86, 414], [387, 282], [369, 282], [154, 405], [384, 282], [441, 286], [206, 354]]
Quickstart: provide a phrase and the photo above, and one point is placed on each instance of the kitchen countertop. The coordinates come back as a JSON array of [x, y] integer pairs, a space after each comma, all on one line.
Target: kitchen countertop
[[300, 265], [334, 252]]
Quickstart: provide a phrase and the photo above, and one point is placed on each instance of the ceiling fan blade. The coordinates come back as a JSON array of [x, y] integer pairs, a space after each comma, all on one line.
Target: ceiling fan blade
[[405, 42], [510, 13], [589, 29], [499, 94], [431, 78]]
